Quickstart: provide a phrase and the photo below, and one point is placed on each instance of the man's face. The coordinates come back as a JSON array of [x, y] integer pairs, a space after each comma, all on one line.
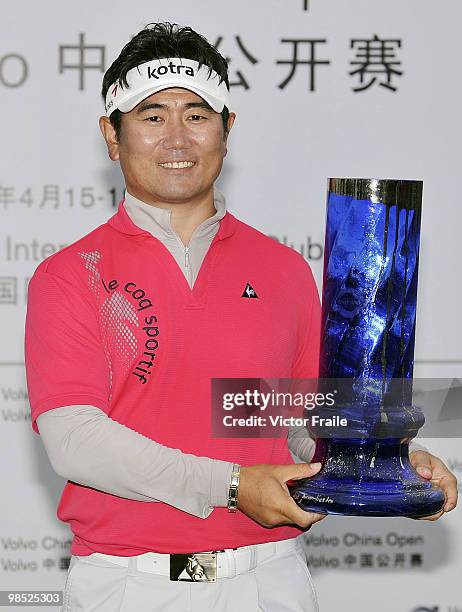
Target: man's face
[[173, 125]]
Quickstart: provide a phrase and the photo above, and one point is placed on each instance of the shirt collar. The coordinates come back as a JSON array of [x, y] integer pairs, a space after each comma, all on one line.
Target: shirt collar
[[157, 221], [123, 223]]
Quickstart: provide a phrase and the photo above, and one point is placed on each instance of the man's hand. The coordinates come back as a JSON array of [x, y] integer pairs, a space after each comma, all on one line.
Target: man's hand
[[263, 494], [430, 467]]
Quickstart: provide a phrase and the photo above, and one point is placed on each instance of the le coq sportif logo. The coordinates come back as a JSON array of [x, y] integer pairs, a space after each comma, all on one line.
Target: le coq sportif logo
[[249, 292]]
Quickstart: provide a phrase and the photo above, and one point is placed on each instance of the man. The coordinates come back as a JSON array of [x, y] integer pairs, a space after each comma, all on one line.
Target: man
[[126, 327]]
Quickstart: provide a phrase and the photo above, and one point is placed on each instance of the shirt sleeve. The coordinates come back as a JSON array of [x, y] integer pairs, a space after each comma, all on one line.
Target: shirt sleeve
[[64, 356], [88, 447]]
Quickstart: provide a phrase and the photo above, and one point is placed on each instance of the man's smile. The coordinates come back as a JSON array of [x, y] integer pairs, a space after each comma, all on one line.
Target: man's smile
[[178, 164]]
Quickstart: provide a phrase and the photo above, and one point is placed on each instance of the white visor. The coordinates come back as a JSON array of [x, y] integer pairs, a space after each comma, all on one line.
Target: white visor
[[153, 76]]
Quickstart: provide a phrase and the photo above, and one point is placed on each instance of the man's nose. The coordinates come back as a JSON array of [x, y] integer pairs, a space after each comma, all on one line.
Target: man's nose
[[176, 135]]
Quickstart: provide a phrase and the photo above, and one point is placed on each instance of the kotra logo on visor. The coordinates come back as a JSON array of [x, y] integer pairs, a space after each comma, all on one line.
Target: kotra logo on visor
[[150, 77]]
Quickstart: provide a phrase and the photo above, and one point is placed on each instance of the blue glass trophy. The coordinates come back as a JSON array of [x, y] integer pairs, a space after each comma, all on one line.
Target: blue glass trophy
[[367, 353]]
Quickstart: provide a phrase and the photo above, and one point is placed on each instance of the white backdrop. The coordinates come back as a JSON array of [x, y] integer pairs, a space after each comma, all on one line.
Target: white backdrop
[[56, 184]]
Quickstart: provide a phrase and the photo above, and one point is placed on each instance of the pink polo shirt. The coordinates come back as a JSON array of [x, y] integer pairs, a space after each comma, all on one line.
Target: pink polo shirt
[[112, 322]]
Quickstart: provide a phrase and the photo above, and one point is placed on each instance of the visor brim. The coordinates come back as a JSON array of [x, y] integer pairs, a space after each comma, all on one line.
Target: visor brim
[[127, 105]]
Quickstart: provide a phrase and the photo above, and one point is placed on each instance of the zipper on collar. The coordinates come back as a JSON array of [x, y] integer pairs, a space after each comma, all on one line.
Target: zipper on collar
[[186, 264]]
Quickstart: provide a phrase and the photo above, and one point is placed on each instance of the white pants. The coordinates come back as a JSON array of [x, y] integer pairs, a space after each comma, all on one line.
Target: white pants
[[282, 582]]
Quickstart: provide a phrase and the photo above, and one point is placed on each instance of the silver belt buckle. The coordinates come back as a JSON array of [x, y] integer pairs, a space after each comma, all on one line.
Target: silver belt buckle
[[193, 567]]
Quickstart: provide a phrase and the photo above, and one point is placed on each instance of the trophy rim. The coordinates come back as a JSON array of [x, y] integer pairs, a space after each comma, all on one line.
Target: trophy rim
[[404, 193]]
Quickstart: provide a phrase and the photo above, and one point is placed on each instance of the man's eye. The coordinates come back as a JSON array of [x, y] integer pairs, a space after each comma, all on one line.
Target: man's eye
[[153, 119], [196, 117]]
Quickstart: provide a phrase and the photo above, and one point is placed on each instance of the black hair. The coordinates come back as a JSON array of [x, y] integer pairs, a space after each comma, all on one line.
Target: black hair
[[159, 40]]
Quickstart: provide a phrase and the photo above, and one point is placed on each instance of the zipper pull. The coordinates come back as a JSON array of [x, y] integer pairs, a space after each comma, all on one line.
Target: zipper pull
[[186, 257]]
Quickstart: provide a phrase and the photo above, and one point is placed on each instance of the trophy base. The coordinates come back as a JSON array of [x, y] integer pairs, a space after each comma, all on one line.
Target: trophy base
[[361, 478]]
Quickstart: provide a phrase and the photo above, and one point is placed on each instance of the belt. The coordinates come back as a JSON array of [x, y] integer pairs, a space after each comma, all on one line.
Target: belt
[[204, 566]]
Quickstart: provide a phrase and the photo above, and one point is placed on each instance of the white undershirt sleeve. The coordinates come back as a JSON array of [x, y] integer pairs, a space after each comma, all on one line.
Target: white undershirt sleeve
[[86, 446]]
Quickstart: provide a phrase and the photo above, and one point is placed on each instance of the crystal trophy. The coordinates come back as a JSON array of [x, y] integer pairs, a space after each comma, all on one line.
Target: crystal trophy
[[367, 353]]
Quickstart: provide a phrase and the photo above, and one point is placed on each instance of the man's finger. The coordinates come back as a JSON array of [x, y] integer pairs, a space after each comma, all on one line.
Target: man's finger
[[448, 484], [299, 471], [300, 517], [317, 516], [424, 470], [433, 469], [431, 517], [421, 461], [304, 519]]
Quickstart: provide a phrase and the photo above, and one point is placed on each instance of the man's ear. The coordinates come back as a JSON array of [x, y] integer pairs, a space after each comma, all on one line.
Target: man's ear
[[231, 118], [110, 136]]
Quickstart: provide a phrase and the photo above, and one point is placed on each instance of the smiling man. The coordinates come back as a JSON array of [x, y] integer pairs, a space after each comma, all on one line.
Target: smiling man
[[125, 329], [171, 151]]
